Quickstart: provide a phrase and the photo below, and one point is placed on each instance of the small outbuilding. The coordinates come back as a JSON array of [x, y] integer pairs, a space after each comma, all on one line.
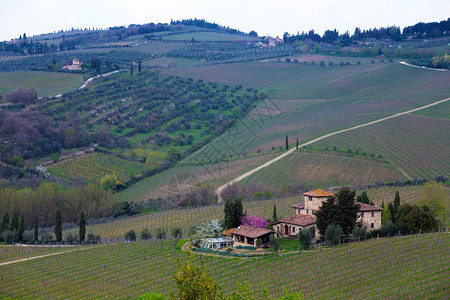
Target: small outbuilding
[[248, 234], [216, 243]]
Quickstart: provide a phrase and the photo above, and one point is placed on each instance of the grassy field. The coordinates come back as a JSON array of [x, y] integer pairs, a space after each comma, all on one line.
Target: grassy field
[[411, 266], [46, 83], [325, 171], [416, 144], [94, 166]]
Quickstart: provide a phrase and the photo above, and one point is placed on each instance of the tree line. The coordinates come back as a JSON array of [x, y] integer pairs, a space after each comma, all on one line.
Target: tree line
[[42, 202]]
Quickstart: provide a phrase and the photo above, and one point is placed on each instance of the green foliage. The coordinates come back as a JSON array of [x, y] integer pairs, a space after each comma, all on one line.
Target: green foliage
[[416, 218], [21, 228], [174, 154], [333, 233], [386, 215], [58, 225], [195, 283], [160, 233], [82, 224], [305, 237], [15, 221], [176, 232], [258, 243], [436, 198], [5, 222], [274, 214], [274, 243], [326, 215], [146, 234], [130, 236], [360, 232], [233, 211], [36, 228], [347, 210]]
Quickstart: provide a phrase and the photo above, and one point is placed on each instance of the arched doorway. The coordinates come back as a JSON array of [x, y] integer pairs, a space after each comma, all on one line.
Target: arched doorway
[[286, 230]]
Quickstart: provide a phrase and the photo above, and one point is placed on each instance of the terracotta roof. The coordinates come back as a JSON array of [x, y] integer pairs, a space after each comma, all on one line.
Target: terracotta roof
[[300, 206], [228, 232], [251, 231], [299, 219], [368, 207], [318, 193]]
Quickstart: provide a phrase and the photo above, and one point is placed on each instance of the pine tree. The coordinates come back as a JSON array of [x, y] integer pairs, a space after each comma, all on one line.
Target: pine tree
[[36, 228], [287, 142], [58, 225], [21, 227], [82, 227], [274, 215]]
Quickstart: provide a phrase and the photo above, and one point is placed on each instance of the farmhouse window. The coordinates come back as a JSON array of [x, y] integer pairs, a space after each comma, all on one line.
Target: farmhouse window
[[362, 215], [293, 229], [307, 211], [372, 214], [371, 225]]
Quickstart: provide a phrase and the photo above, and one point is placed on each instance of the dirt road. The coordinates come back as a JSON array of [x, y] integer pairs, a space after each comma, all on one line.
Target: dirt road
[[243, 176]]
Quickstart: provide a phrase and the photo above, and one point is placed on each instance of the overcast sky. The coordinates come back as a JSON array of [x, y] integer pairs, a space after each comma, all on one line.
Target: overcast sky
[[266, 17]]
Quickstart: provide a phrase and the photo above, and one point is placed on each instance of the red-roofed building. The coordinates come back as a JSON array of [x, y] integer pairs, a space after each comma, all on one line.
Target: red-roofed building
[[369, 215], [248, 234]]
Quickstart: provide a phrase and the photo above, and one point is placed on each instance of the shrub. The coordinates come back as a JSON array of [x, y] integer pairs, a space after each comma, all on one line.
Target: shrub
[[146, 234], [160, 233], [333, 233], [305, 237], [71, 238], [129, 236], [360, 232], [176, 232]]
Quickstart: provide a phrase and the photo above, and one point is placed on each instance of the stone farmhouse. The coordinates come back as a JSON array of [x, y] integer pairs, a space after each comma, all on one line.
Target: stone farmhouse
[[76, 65], [369, 215]]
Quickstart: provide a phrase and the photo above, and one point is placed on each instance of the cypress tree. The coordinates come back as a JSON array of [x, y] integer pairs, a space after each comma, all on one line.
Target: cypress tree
[[58, 226], [5, 224], [140, 66], [131, 69], [36, 228], [274, 215], [287, 142], [238, 211], [297, 143], [21, 227], [82, 226], [15, 221], [229, 214], [396, 201]]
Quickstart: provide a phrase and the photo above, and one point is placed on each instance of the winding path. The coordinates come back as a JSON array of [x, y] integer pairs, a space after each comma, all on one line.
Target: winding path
[[98, 76], [243, 176]]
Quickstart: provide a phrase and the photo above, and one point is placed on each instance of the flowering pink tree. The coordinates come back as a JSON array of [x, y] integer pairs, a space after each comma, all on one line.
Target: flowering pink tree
[[254, 221]]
